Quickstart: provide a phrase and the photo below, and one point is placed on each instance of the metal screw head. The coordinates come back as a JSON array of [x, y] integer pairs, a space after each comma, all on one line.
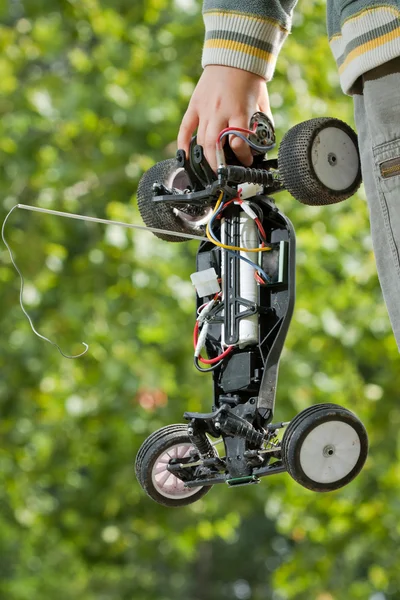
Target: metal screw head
[[329, 450], [332, 159]]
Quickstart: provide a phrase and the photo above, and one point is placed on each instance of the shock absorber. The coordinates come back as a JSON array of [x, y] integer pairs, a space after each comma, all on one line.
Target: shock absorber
[[248, 175], [199, 440], [231, 424]]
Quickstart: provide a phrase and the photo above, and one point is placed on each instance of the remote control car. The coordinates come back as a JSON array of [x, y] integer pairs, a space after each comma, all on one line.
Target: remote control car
[[245, 282]]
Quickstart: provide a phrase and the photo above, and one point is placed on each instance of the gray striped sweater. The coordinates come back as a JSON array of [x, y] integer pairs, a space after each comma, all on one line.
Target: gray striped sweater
[[363, 34]]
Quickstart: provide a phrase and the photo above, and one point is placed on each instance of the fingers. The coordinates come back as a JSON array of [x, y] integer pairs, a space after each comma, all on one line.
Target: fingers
[[239, 146], [220, 93], [206, 135], [210, 144], [209, 130], [188, 126], [209, 140]]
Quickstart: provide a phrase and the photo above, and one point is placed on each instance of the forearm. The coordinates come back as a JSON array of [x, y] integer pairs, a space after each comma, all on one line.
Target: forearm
[[246, 35]]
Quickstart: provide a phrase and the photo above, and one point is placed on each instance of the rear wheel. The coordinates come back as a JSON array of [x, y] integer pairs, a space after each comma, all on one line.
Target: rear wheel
[[324, 447], [319, 161], [162, 447]]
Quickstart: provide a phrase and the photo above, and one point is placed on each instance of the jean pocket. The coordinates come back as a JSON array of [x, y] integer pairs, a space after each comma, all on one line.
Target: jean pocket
[[387, 175], [387, 167]]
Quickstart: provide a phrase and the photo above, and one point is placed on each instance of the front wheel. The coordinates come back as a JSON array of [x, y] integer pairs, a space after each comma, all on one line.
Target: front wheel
[[180, 218], [324, 447], [155, 454]]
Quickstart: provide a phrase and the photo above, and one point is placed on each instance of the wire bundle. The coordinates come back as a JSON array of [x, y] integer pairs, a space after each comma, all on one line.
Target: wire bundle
[[219, 208], [240, 133], [199, 339], [202, 324]]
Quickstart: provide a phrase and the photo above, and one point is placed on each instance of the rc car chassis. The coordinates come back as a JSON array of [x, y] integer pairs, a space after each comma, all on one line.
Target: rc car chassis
[[245, 279]]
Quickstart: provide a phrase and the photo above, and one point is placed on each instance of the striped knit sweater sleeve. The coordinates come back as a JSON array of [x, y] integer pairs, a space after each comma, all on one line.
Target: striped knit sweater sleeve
[[363, 34], [249, 34], [246, 35]]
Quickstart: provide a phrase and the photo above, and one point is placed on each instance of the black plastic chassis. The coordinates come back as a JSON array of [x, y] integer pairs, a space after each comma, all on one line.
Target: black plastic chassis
[[245, 383]]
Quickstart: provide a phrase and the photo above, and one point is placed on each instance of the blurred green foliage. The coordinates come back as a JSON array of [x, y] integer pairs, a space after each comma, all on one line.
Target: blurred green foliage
[[91, 95]]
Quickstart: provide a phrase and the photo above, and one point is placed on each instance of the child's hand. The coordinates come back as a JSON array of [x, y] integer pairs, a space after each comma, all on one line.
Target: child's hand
[[224, 97]]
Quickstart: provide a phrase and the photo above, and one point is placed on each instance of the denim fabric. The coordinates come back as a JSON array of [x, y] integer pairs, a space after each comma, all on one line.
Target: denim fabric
[[377, 116]]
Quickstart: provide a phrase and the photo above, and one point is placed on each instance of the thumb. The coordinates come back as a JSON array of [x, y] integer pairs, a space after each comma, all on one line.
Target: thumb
[[264, 105], [267, 111]]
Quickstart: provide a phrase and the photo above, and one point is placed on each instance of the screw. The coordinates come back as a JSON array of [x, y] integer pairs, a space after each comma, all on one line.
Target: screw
[[328, 450], [332, 159]]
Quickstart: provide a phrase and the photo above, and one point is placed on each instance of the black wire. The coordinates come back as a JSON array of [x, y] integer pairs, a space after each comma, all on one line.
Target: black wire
[[213, 368], [257, 209], [260, 237]]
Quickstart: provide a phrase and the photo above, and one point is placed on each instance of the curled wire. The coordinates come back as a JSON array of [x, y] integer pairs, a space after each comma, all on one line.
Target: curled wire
[[207, 370], [254, 146], [21, 294]]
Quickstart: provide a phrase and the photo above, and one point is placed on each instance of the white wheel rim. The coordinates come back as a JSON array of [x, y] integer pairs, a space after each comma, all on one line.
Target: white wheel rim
[[335, 158], [179, 179], [330, 452], [167, 484]]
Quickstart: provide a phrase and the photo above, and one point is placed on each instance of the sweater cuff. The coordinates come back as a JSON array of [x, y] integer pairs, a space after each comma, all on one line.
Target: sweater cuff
[[242, 41]]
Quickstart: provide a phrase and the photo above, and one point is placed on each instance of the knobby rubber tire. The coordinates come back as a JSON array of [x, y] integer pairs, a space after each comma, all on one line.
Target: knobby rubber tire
[[296, 167], [160, 215]]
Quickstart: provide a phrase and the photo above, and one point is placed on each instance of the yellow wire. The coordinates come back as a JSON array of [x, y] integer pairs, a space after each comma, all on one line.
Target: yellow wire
[[218, 204]]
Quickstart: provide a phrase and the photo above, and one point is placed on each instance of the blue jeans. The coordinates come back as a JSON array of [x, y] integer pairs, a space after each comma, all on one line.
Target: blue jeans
[[377, 117]]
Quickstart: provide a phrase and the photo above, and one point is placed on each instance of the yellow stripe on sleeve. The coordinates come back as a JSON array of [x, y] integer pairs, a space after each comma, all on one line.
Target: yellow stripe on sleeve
[[371, 45], [240, 47]]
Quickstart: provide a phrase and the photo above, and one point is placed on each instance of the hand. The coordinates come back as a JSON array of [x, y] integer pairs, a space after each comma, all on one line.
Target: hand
[[224, 97]]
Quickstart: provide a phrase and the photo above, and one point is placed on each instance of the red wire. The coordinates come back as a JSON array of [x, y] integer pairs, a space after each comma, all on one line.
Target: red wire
[[224, 206], [209, 361], [213, 361], [260, 228], [256, 221]]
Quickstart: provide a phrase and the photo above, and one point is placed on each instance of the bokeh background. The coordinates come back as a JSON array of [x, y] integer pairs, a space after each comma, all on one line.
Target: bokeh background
[[91, 95]]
